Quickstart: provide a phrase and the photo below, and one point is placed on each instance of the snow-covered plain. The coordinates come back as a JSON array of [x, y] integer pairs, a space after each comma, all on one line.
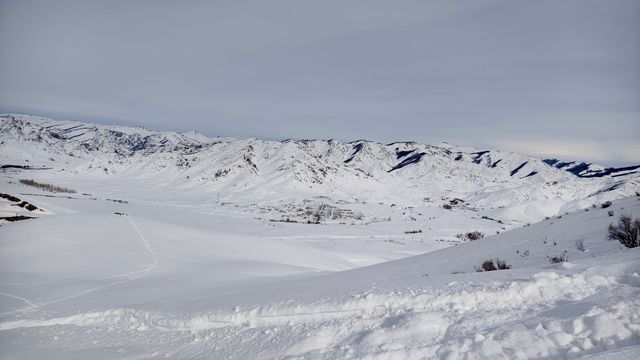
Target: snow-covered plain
[[144, 261]]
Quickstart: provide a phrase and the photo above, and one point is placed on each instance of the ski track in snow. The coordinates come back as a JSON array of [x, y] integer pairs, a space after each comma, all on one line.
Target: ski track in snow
[[130, 276], [27, 301]]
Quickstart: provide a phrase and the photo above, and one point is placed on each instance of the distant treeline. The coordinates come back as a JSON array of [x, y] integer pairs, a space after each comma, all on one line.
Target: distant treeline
[[46, 187]]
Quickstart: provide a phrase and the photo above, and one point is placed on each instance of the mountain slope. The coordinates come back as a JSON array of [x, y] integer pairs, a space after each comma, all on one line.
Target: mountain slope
[[506, 185]]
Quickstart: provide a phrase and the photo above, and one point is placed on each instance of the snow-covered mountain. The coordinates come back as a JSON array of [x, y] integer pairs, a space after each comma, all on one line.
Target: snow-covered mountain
[[250, 171], [138, 258]]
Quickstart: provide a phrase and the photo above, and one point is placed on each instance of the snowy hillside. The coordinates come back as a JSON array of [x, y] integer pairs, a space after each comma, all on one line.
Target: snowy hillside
[[310, 180], [102, 278]]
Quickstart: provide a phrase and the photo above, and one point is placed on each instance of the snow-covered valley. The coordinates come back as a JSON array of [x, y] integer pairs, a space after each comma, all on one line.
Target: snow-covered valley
[[181, 246]]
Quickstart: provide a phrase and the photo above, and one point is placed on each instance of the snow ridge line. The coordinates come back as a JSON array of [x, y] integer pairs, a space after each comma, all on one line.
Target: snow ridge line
[[541, 289]]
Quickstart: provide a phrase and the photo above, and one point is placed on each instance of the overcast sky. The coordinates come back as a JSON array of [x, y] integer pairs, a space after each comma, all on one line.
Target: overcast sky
[[540, 77]]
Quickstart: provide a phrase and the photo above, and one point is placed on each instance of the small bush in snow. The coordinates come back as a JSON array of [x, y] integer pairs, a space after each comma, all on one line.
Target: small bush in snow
[[610, 212], [471, 236], [474, 235], [564, 257], [580, 246], [447, 206], [488, 265], [605, 204], [626, 231], [502, 265], [419, 231]]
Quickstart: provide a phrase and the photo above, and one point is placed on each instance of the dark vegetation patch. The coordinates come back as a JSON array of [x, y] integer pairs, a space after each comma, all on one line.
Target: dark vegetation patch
[[452, 203], [471, 236], [46, 187], [22, 167], [20, 203], [220, 173], [9, 197], [562, 257], [489, 265], [56, 196], [16, 218], [490, 218], [626, 231], [118, 201], [27, 206]]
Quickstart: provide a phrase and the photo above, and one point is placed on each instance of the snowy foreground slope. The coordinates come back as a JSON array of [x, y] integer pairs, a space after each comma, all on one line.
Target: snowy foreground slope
[[87, 283], [316, 249]]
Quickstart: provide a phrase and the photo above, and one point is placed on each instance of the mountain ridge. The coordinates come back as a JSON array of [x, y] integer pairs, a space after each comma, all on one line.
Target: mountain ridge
[[267, 171]]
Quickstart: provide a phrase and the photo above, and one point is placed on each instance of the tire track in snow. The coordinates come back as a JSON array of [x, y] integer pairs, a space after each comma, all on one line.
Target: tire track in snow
[[131, 276], [27, 301], [142, 273]]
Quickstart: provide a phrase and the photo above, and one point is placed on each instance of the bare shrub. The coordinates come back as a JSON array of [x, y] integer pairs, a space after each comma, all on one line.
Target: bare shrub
[[626, 231], [610, 212], [605, 204], [419, 231], [489, 265], [475, 235], [471, 236], [580, 246], [502, 265], [563, 257]]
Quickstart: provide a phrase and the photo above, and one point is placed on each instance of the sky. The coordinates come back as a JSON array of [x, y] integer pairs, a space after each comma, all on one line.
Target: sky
[[547, 77]]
